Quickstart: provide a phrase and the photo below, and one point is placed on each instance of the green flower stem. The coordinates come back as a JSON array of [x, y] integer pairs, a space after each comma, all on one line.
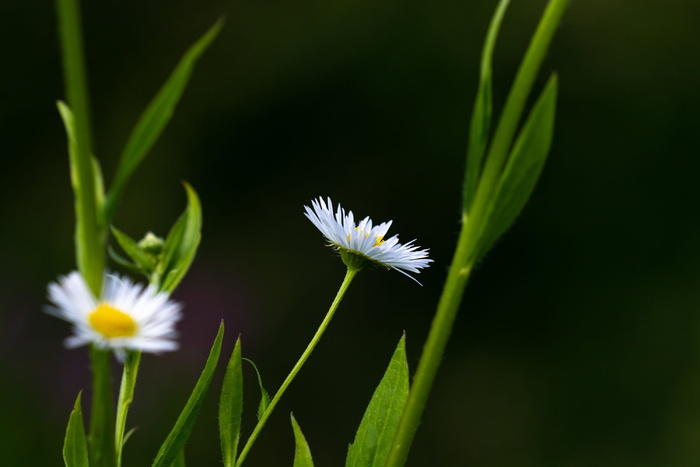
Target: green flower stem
[[126, 396], [89, 229], [101, 439], [432, 353], [349, 276]]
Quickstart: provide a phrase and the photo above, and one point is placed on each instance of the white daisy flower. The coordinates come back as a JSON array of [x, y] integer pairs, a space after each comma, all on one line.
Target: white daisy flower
[[365, 241], [126, 317]]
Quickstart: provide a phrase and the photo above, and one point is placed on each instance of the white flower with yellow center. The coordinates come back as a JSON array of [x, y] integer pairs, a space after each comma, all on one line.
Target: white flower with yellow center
[[126, 317], [365, 242]]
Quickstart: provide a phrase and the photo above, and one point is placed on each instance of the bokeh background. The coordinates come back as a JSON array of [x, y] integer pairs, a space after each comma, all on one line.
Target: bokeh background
[[578, 342]]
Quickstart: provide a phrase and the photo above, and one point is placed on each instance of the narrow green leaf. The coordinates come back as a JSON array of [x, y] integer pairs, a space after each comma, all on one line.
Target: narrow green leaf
[[231, 407], [524, 166], [178, 436], [142, 259], [119, 259], [302, 453], [182, 242], [378, 426], [75, 451], [264, 396], [481, 115], [156, 116]]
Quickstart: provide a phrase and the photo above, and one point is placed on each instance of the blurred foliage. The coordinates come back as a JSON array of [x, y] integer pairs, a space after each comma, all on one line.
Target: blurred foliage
[[578, 341]]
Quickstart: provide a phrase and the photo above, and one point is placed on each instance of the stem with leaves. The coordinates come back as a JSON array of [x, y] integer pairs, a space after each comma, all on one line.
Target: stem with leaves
[[494, 196]]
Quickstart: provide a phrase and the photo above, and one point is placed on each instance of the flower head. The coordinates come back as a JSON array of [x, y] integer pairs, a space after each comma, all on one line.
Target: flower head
[[126, 317], [363, 242]]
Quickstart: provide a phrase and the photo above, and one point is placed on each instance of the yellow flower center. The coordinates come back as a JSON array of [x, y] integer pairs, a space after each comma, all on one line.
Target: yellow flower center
[[111, 322]]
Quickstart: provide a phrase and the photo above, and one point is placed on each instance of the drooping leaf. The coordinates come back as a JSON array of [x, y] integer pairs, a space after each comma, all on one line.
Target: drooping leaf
[[481, 115], [182, 242], [178, 436], [156, 117], [524, 166], [264, 396], [378, 426], [231, 407], [302, 453], [75, 450]]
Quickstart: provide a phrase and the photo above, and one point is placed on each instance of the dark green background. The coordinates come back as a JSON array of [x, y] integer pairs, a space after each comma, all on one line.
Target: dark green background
[[579, 337]]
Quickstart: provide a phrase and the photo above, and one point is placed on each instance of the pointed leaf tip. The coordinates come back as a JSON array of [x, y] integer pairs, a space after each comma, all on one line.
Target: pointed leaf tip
[[302, 453]]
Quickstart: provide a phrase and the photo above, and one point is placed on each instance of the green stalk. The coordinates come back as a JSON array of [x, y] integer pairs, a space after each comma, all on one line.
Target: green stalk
[[443, 322], [466, 252], [126, 396], [349, 275], [101, 438]]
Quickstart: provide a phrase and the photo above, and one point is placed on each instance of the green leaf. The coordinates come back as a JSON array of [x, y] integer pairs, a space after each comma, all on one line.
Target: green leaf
[[524, 166], [264, 396], [481, 115], [231, 407], [182, 242], [178, 436], [156, 117], [119, 259], [143, 260], [302, 453], [75, 451], [378, 426]]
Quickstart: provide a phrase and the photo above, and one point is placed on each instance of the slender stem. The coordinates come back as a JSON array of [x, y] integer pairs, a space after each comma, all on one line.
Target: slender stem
[[432, 352], [126, 396], [349, 275], [101, 438]]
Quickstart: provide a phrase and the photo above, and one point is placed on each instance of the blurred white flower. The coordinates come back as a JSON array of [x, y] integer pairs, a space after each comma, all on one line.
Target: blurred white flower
[[365, 240], [126, 317]]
